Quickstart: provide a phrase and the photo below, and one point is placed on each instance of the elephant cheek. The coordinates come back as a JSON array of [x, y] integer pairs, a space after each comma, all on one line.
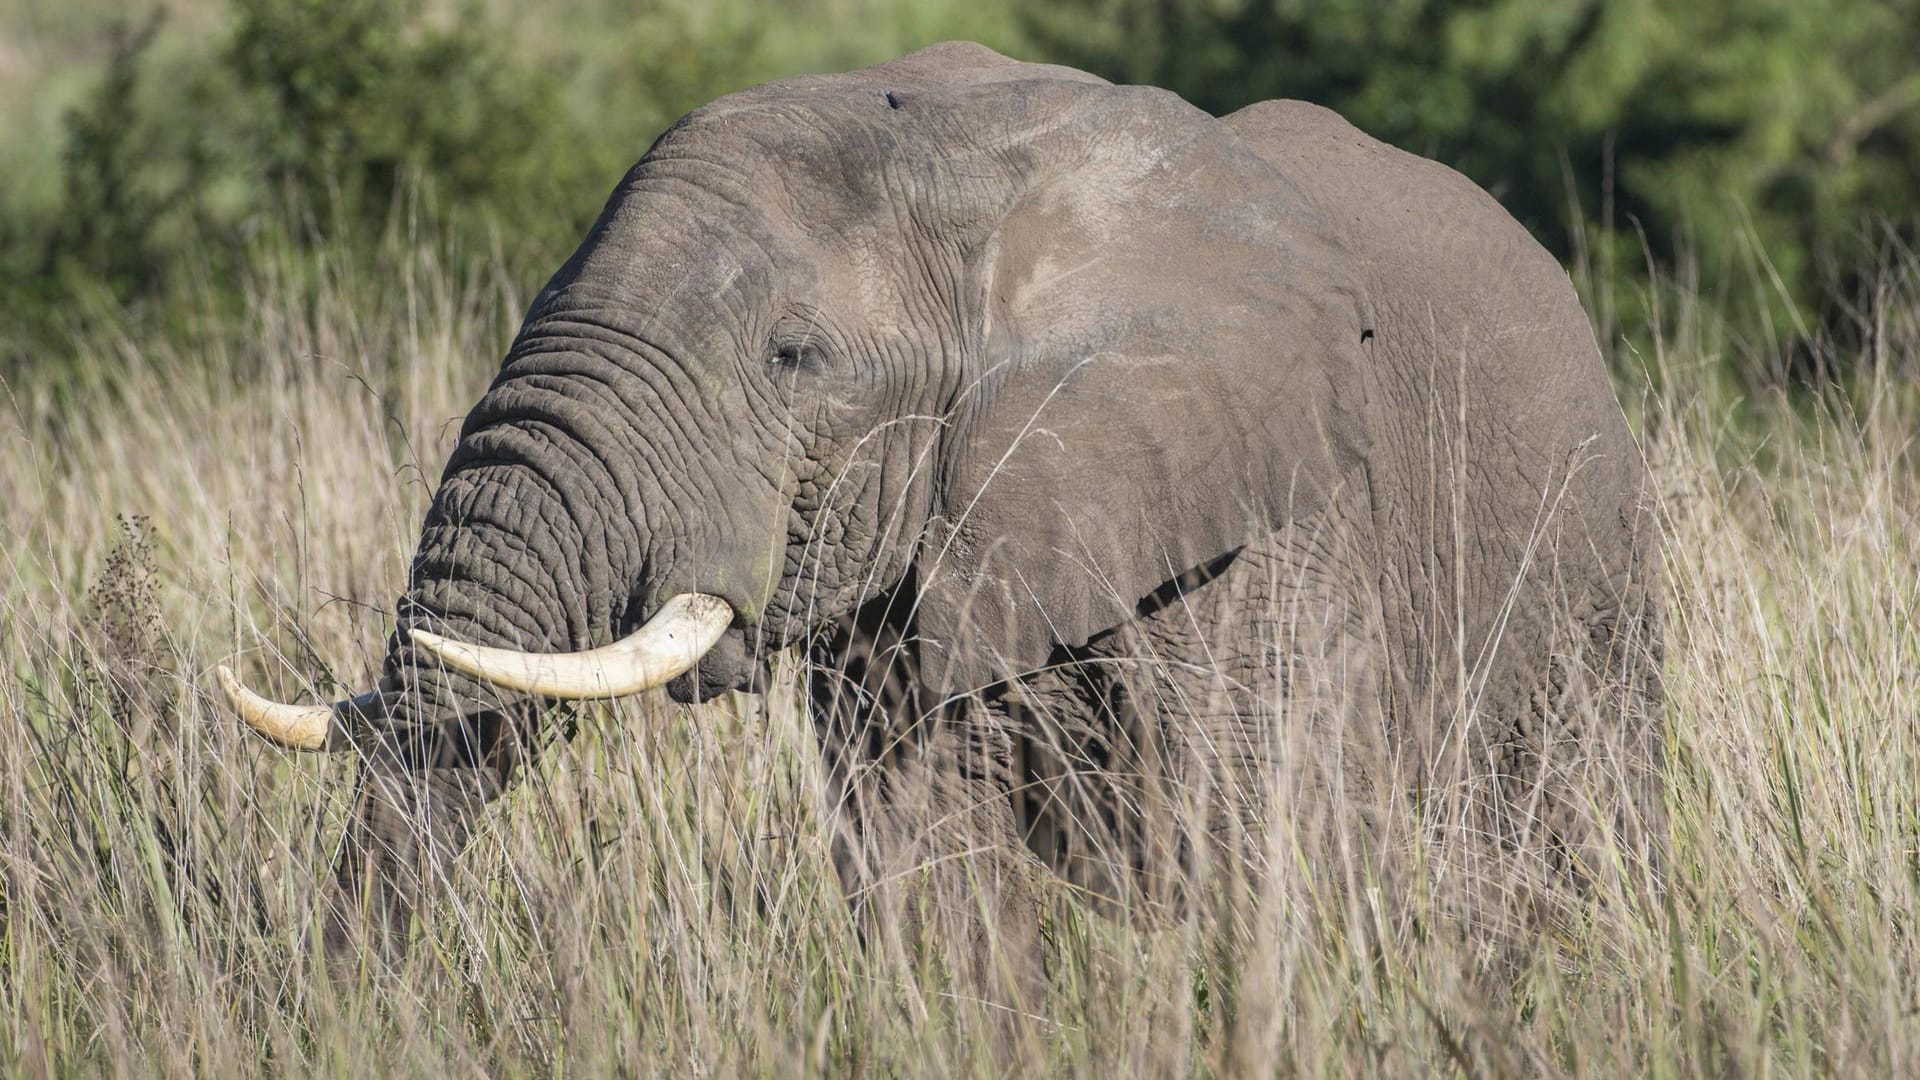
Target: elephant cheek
[[729, 665]]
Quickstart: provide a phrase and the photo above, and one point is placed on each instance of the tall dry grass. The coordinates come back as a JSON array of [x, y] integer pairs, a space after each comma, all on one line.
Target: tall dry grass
[[658, 895]]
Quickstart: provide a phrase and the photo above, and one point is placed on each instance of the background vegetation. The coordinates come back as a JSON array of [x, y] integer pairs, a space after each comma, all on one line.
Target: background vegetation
[[1767, 147], [147, 152], [256, 258]]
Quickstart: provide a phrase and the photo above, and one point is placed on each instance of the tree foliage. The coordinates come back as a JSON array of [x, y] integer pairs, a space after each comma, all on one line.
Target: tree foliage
[[348, 99]]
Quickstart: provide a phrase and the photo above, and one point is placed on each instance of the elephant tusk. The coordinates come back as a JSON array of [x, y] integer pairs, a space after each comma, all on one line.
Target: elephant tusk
[[299, 727], [675, 639]]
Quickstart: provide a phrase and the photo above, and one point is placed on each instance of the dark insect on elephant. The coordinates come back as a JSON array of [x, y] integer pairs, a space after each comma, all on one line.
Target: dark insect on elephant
[[1118, 469]]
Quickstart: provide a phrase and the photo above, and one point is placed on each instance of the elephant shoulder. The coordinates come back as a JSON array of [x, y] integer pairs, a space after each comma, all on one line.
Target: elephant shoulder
[[1448, 272]]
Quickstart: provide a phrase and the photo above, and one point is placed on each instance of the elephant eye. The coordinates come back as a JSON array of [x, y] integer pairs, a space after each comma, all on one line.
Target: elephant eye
[[797, 356]]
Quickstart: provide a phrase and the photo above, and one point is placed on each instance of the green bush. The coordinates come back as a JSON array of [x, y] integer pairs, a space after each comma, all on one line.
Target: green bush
[[115, 197], [320, 126], [311, 120], [349, 104]]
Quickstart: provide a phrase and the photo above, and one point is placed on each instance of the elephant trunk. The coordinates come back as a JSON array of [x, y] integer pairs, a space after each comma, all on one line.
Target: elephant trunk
[[559, 526], [538, 540], [519, 551], [510, 558]]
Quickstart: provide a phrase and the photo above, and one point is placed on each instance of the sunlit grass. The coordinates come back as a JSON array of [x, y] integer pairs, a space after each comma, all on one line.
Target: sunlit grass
[[658, 894]]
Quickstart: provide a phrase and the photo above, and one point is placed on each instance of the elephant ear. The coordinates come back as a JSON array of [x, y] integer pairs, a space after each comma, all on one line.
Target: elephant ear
[[1173, 348]]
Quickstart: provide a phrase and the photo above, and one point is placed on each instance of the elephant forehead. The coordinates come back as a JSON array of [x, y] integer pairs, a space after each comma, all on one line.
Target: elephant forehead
[[839, 154], [840, 148]]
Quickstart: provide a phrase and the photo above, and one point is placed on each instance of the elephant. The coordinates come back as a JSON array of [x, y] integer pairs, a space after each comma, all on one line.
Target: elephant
[[1111, 466]]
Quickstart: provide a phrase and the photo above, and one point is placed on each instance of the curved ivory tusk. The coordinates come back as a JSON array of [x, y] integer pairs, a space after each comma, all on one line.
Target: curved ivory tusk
[[675, 639], [301, 727]]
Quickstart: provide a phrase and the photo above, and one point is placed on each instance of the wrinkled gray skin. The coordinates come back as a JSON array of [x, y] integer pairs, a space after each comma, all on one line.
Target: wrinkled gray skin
[[1104, 456]]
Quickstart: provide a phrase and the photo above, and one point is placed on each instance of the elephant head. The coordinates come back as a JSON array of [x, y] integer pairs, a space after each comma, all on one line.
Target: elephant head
[[1031, 342]]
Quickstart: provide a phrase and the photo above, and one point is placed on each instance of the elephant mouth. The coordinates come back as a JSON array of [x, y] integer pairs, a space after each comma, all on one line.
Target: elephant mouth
[[732, 664]]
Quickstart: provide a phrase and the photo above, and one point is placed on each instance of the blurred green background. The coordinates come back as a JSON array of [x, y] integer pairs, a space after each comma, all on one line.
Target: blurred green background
[[1763, 153]]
